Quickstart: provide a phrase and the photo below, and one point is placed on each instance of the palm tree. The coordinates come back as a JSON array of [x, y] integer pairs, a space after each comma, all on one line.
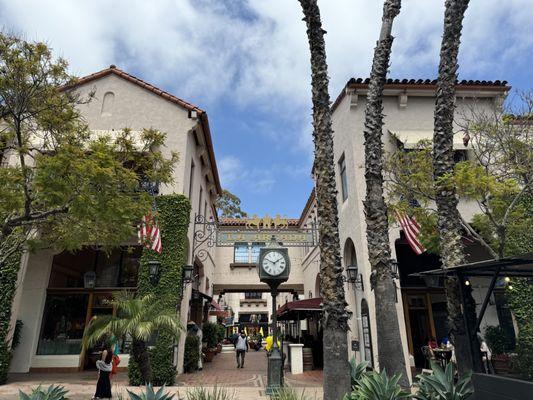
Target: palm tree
[[335, 314], [135, 317], [377, 227], [449, 220]]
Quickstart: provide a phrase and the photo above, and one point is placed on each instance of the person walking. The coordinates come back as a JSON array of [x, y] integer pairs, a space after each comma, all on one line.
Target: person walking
[[104, 366], [241, 347]]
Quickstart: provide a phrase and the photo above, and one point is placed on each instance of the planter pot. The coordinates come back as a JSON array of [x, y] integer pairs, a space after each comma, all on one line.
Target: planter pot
[[502, 364], [209, 355]]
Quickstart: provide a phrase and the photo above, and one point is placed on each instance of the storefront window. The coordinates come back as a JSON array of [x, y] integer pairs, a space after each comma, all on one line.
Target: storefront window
[[63, 324]]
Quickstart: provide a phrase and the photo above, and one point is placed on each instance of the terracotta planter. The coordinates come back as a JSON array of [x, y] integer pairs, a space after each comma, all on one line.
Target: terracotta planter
[[209, 355], [502, 364]]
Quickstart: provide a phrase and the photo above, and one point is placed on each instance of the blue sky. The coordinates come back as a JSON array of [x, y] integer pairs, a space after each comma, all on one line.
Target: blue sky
[[247, 63]]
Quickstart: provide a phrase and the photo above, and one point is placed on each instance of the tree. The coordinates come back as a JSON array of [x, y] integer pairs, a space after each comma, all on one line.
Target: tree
[[377, 227], [335, 314], [62, 187], [139, 318], [449, 219], [229, 206]]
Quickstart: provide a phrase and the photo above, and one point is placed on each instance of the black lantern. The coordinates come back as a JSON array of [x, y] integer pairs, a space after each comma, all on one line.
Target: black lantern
[[394, 268], [89, 280], [153, 269], [187, 276], [354, 277]]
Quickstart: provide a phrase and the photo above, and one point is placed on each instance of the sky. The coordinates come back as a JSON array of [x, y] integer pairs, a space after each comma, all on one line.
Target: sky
[[246, 62]]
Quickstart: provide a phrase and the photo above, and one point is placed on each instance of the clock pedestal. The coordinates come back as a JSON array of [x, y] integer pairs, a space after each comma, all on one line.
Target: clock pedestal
[[275, 360]]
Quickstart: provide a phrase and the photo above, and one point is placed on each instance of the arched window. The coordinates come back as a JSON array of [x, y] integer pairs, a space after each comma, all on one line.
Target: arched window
[[367, 335], [107, 104], [317, 286], [350, 258]]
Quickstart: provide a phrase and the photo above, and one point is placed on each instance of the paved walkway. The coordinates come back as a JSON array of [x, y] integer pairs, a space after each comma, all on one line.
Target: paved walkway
[[247, 383]]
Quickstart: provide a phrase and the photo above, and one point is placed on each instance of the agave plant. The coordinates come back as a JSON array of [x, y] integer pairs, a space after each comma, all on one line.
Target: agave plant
[[357, 371], [52, 393], [378, 386], [151, 395], [201, 393], [286, 393], [441, 385]]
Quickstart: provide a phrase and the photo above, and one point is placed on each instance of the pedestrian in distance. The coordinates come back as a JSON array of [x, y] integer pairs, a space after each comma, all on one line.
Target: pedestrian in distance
[[104, 366], [241, 348]]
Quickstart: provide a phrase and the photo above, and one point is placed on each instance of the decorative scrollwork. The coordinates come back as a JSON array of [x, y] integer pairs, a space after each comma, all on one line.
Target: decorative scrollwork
[[204, 237]]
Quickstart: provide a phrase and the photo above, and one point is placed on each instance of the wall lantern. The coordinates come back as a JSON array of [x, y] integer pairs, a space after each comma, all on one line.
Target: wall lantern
[[354, 277], [394, 268], [89, 280], [153, 269], [186, 276]]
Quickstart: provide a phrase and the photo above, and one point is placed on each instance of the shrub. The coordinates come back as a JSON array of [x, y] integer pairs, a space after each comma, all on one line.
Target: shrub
[[191, 354], [149, 394], [217, 393], [221, 333], [287, 393], [498, 340], [378, 386], [440, 385], [210, 334], [357, 371], [523, 362], [52, 393]]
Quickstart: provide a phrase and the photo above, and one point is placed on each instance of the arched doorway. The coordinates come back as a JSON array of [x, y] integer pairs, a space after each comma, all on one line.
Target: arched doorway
[[367, 334]]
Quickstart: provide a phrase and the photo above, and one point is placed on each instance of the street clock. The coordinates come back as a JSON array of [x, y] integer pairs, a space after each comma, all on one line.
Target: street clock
[[274, 265]]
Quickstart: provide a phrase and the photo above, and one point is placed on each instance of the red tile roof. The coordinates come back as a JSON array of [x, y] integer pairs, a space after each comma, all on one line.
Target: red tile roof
[[242, 221], [167, 96], [423, 84]]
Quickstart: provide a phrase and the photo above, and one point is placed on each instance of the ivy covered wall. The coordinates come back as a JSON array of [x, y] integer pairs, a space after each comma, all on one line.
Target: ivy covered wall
[[8, 281], [173, 214]]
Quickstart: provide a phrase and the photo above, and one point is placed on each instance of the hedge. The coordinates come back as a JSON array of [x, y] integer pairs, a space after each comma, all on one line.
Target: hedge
[[8, 284], [173, 214]]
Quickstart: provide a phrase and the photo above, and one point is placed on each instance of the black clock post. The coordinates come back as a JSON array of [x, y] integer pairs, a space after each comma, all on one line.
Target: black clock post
[[274, 269]]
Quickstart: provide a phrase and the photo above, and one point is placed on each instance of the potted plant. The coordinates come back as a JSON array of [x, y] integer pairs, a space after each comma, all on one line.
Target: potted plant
[[501, 345], [221, 333], [210, 338]]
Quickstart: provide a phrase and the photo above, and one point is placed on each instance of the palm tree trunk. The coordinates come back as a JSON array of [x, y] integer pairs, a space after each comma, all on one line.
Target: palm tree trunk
[[142, 358], [335, 314], [377, 228], [449, 221]]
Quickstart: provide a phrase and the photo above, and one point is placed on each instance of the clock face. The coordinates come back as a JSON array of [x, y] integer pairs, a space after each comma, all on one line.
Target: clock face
[[274, 263]]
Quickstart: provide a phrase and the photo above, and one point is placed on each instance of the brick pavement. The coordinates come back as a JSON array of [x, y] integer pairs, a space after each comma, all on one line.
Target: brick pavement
[[248, 383]]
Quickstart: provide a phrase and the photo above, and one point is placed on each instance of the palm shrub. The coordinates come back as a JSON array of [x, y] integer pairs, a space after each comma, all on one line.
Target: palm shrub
[[191, 354], [441, 385], [217, 393], [150, 394], [288, 393], [137, 317], [378, 386], [52, 393]]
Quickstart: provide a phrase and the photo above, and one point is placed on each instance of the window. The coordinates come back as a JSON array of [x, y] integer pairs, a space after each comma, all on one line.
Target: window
[[243, 253], [253, 295], [191, 179], [200, 200], [240, 253], [344, 179]]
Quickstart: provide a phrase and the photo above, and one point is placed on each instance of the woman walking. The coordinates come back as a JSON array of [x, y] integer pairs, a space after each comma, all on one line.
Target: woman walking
[[104, 365]]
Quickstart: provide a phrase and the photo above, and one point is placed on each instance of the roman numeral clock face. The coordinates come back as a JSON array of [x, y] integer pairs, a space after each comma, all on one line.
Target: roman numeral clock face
[[274, 263]]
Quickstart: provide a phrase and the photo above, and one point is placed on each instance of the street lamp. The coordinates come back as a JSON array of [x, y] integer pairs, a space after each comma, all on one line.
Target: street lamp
[[153, 270], [394, 268]]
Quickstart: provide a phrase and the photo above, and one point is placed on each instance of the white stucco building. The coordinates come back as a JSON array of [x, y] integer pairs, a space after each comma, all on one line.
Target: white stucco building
[[55, 307]]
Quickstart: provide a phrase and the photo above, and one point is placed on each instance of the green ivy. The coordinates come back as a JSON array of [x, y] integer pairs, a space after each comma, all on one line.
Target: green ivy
[[8, 281], [191, 354], [173, 213]]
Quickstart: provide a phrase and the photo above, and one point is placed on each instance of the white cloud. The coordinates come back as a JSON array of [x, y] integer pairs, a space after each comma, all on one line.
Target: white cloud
[[254, 53]]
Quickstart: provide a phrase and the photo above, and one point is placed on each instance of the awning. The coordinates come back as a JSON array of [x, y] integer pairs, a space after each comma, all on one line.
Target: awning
[[215, 305], [410, 138], [300, 309]]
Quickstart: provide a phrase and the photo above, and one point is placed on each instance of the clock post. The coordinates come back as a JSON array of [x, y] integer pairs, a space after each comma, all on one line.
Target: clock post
[[274, 269]]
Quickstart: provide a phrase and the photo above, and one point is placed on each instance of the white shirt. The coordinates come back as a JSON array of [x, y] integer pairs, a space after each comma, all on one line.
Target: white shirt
[[241, 343]]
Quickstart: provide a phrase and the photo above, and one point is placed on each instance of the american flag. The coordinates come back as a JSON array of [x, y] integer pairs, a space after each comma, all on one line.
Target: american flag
[[149, 234], [411, 229]]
